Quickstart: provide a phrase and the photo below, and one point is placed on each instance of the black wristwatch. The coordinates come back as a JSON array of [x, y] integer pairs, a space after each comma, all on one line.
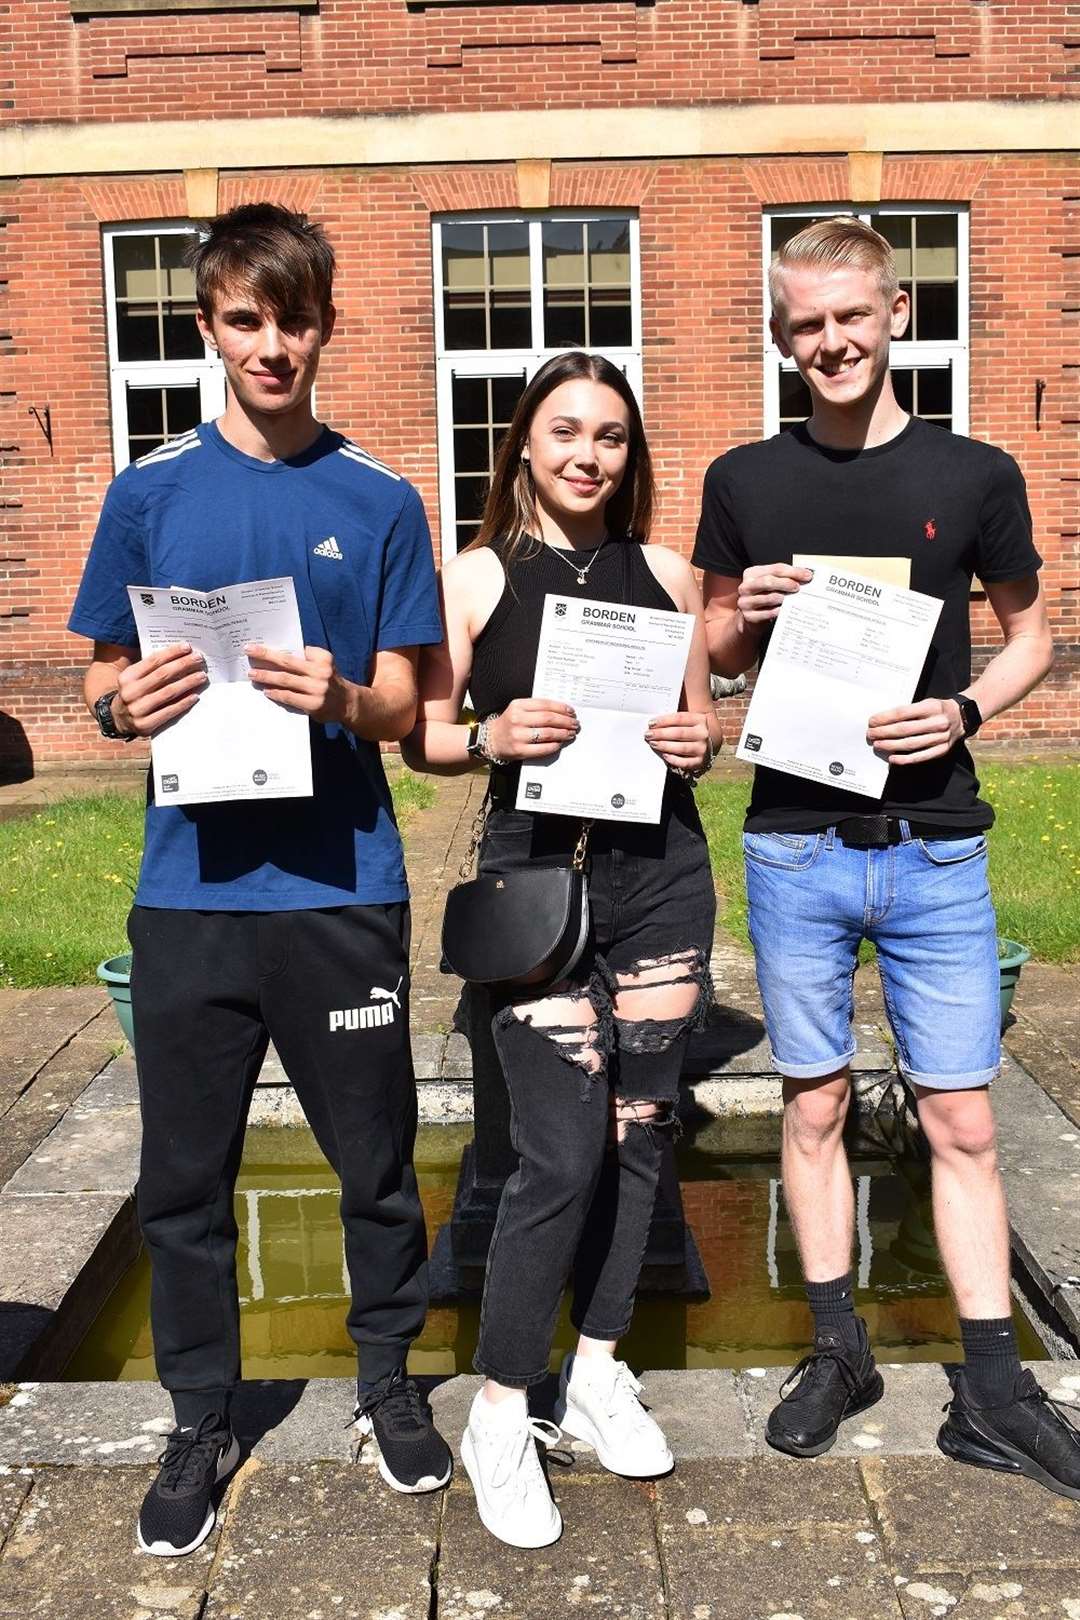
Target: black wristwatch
[[106, 720], [970, 717]]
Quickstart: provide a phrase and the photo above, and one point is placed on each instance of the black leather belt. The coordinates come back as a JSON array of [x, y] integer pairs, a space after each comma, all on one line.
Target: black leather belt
[[878, 832]]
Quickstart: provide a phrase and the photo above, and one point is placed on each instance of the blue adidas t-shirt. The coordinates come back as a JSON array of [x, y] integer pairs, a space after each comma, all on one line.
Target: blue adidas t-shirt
[[200, 513]]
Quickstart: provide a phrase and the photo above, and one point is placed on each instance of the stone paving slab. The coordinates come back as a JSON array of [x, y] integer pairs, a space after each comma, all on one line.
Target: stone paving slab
[[606, 1563], [756, 1540], [59, 1084], [72, 1554], [34, 1027], [987, 1594], [117, 1086], [940, 1516], [92, 1151], [322, 1539], [13, 1489]]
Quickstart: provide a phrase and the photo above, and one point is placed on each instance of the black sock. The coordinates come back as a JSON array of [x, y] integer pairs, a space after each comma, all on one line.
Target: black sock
[[190, 1405], [991, 1359], [833, 1305]]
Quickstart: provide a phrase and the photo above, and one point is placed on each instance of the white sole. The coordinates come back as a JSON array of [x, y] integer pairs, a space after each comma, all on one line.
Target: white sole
[[366, 1429], [165, 1549], [577, 1424], [468, 1458]]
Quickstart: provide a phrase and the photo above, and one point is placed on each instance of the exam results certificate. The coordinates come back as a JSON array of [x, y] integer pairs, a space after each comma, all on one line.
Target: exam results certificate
[[843, 647], [235, 743], [619, 667]]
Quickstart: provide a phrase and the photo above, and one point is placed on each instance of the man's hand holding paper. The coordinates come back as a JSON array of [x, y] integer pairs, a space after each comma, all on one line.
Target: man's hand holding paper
[[844, 643]]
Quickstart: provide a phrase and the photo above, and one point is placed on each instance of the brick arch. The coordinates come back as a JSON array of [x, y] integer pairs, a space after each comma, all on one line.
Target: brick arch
[[600, 185], [920, 179], [133, 197], [456, 191], [300, 192], [798, 180]]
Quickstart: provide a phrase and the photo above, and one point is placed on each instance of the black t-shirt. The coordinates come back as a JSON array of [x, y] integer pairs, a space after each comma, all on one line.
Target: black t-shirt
[[955, 506]]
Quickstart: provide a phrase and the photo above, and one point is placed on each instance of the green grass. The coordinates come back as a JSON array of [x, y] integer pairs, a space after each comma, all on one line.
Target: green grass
[[67, 875], [1034, 854]]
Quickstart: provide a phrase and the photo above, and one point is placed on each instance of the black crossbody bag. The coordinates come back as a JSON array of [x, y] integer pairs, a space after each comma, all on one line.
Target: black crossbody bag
[[527, 927]]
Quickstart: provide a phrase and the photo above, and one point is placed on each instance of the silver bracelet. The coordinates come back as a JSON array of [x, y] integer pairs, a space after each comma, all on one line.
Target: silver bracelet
[[694, 776], [482, 735]]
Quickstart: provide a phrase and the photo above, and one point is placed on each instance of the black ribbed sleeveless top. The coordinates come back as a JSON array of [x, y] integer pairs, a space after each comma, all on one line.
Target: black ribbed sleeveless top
[[504, 653]]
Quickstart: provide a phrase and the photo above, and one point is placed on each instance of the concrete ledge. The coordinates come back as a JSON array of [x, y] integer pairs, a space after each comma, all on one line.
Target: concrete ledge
[[707, 1414]]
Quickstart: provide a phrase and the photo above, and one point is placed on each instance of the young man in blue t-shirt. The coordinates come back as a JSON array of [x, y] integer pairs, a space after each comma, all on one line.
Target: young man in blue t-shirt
[[277, 919]]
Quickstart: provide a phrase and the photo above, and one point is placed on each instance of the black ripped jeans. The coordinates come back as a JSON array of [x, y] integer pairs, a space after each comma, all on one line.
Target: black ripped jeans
[[583, 1194]]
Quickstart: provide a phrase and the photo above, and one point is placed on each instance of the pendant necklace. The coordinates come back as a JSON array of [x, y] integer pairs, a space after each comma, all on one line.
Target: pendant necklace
[[581, 572]]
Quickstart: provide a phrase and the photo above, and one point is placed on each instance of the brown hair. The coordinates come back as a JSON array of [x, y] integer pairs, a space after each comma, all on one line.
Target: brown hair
[[280, 255], [831, 244], [510, 508]]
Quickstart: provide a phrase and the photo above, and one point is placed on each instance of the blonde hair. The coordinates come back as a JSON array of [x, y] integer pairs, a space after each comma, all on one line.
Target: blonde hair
[[833, 244]]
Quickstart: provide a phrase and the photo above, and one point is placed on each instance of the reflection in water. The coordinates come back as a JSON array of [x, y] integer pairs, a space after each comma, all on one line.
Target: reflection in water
[[294, 1286]]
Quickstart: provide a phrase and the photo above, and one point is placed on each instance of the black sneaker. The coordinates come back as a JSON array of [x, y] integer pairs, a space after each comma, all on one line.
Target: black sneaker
[[1023, 1435], [834, 1382], [413, 1456], [178, 1513]]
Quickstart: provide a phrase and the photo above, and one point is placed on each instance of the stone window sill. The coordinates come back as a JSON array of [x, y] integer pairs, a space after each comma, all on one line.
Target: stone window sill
[[105, 8]]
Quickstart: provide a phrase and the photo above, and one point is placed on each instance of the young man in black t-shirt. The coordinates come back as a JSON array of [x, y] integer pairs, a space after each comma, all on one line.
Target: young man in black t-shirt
[[897, 498]]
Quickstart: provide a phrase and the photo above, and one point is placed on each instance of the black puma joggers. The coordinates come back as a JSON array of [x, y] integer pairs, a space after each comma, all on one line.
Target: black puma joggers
[[209, 990]]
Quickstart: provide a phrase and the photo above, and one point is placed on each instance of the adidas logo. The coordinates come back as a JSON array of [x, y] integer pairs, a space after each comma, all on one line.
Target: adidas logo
[[329, 548]]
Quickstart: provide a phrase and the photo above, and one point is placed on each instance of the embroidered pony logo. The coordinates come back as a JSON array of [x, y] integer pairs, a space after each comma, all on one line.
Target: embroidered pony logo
[[930, 529]]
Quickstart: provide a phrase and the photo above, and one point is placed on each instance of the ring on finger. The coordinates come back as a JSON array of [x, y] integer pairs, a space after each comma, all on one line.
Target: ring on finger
[[536, 734]]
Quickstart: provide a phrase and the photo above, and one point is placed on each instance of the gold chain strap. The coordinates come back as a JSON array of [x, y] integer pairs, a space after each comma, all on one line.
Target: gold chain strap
[[479, 827], [475, 836]]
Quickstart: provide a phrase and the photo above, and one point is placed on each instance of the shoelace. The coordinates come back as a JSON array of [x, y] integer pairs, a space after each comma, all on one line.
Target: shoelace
[[1058, 1408], [518, 1449], [810, 1364], [400, 1406], [623, 1399], [189, 1453]]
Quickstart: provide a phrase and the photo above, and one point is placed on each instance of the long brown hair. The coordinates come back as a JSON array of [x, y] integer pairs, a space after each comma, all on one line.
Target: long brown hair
[[510, 508]]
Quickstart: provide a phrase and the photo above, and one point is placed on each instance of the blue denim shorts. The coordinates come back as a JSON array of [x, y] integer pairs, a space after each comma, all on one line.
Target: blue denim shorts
[[925, 904]]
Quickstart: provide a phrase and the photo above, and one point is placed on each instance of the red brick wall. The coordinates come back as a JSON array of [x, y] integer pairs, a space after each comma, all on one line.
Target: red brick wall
[[700, 245], [385, 55]]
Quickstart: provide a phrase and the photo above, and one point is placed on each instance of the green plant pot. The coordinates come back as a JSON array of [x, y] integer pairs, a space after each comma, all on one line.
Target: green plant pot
[[115, 975], [1011, 958]]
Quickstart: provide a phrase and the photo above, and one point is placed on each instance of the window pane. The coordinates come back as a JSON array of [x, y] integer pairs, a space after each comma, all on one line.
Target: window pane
[[182, 340], [472, 450], [137, 334], [564, 253], [933, 392], [936, 246], [469, 395], [511, 321], [610, 325], [178, 281], [508, 247], [904, 388], [936, 310], [183, 411], [795, 401], [465, 318], [135, 266], [145, 412], [482, 408], [564, 320], [609, 252], [896, 229]]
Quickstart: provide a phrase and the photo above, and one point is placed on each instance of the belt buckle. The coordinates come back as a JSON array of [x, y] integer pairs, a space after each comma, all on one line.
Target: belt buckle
[[865, 832]]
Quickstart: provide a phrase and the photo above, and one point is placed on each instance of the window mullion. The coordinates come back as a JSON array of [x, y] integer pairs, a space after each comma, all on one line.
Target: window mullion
[[536, 283]]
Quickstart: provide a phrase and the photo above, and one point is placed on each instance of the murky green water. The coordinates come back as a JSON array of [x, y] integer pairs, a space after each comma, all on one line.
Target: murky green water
[[294, 1289]]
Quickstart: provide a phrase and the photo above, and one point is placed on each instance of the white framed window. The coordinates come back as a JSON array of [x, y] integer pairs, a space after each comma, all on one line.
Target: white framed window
[[930, 364], [510, 291], [163, 378]]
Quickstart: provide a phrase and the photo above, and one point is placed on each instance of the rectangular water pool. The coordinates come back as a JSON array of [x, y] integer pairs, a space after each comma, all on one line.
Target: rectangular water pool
[[294, 1287]]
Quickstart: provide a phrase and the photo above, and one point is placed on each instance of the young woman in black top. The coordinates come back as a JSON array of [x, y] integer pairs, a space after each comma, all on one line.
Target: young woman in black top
[[592, 1063]]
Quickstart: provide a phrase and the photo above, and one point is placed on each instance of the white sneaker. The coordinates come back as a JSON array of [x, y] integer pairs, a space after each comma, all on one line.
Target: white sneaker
[[498, 1450], [598, 1402]]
